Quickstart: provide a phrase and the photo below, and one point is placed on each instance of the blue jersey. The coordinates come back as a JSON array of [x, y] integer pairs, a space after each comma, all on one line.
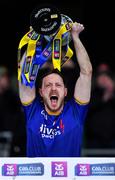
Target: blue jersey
[[54, 135]]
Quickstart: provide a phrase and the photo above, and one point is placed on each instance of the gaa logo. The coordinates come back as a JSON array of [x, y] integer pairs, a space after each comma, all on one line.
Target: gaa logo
[[105, 169]]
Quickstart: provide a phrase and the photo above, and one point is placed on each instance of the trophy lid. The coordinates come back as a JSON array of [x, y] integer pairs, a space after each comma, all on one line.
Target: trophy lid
[[45, 19]]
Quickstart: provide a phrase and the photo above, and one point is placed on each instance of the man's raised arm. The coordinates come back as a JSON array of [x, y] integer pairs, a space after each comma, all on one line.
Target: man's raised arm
[[26, 93], [83, 85]]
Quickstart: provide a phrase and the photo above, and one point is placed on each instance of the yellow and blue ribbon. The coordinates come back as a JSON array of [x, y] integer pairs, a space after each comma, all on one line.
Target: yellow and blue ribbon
[[36, 56]]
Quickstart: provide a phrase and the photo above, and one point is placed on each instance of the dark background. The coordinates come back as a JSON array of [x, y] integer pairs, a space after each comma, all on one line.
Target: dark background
[[98, 18]]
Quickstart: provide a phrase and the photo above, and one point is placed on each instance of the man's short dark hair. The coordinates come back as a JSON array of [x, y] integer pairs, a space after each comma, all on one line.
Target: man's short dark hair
[[47, 72]]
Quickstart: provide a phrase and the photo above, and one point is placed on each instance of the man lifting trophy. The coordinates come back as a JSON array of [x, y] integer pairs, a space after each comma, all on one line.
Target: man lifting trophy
[[54, 127]]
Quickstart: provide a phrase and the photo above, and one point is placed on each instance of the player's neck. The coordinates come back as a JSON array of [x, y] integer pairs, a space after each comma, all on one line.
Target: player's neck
[[53, 112]]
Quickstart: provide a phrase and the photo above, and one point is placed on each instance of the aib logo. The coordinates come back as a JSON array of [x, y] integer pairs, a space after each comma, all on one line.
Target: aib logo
[[9, 170], [59, 169], [82, 170]]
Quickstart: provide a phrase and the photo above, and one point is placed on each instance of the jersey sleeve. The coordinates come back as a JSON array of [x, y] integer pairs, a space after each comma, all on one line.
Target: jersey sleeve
[[29, 109], [80, 109]]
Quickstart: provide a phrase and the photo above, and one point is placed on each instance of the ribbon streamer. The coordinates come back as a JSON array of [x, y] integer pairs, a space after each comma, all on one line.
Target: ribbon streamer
[[36, 56]]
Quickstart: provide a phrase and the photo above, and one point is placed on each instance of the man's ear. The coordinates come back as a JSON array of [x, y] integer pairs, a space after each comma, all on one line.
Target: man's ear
[[40, 92], [65, 92]]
